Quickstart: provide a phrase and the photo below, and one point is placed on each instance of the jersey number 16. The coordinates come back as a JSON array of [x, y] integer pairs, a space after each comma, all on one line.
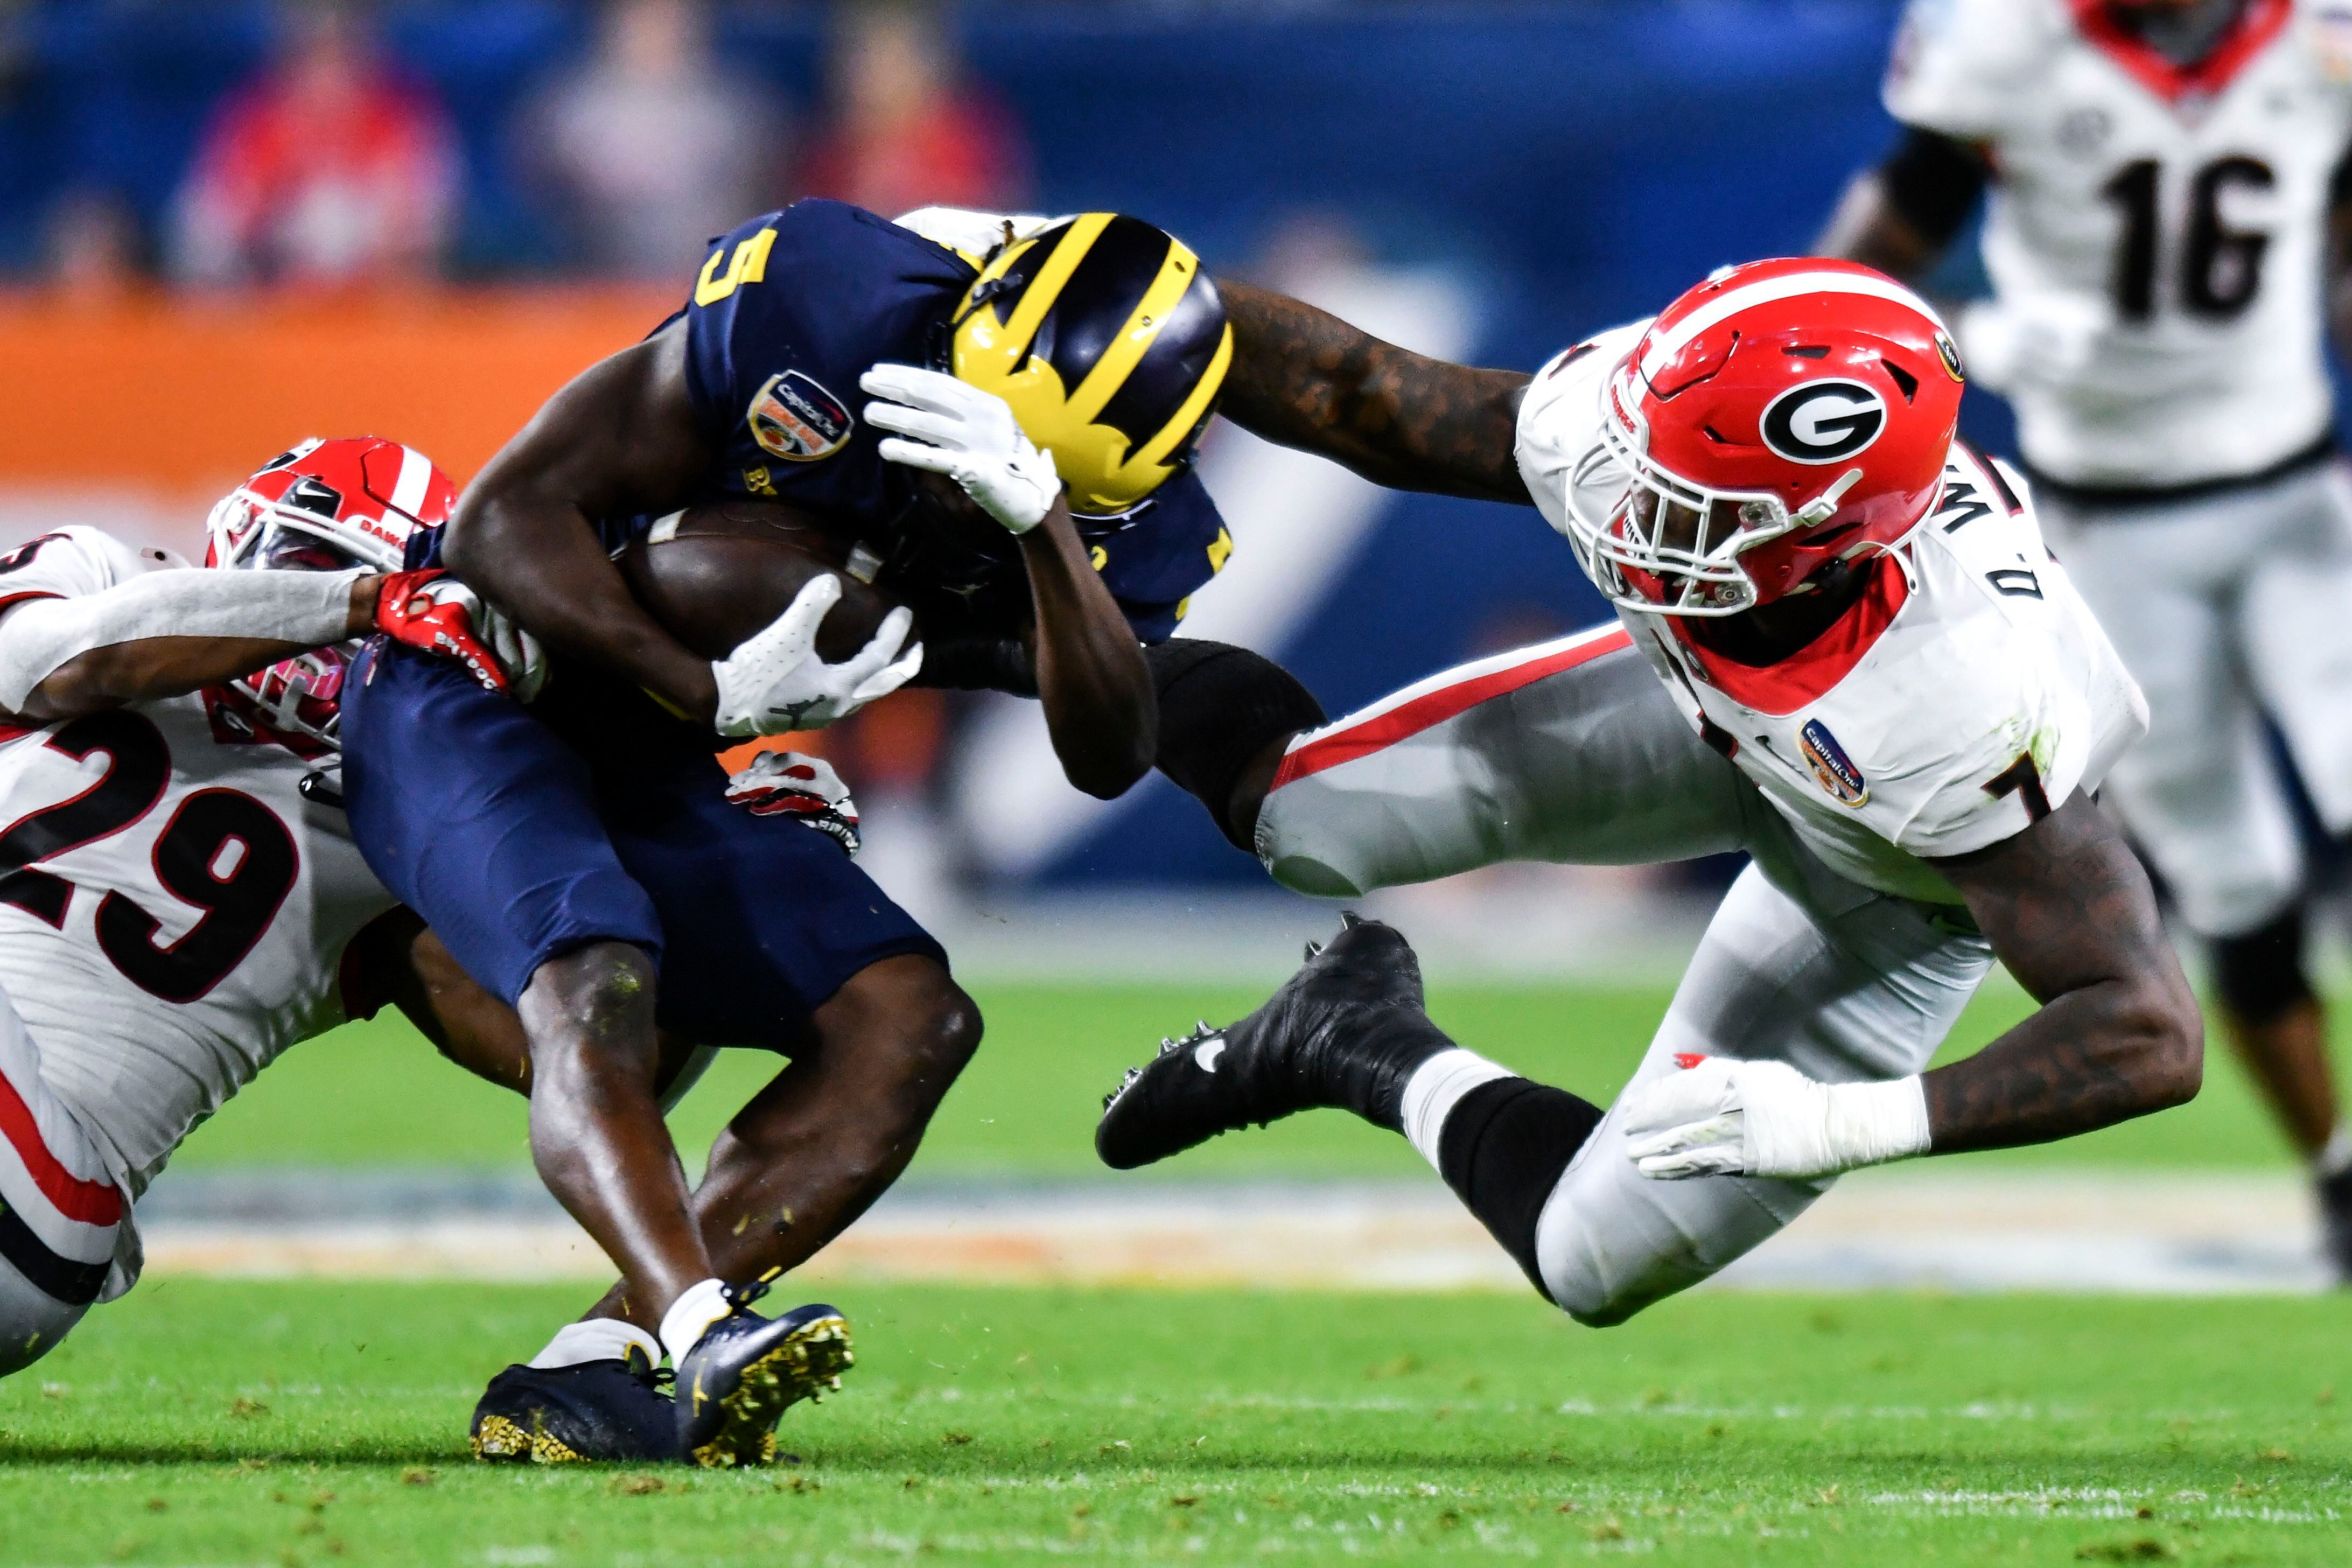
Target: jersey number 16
[[2220, 266]]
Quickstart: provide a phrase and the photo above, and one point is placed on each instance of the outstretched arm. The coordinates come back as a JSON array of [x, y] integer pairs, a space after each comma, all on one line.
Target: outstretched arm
[[1304, 378], [61, 658], [620, 439], [2070, 912]]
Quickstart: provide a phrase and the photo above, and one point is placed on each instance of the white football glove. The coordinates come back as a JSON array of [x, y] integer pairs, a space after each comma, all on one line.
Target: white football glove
[[803, 788], [774, 683], [1718, 1117], [966, 433]]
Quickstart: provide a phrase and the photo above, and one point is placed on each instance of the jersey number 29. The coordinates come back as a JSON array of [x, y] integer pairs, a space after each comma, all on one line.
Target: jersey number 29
[[223, 852]]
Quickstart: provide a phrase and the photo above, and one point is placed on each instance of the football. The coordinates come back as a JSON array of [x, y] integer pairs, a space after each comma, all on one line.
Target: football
[[714, 574]]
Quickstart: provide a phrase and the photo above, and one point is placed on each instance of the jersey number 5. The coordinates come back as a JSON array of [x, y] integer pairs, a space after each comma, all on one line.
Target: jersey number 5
[[750, 266], [2220, 266], [223, 852]]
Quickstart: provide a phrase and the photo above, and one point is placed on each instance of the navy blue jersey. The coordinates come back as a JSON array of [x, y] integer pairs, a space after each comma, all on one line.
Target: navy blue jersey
[[790, 310]]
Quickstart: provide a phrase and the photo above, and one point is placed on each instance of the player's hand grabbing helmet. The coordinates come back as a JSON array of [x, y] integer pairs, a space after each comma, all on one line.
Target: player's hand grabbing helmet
[[325, 506], [1779, 416], [1110, 342]]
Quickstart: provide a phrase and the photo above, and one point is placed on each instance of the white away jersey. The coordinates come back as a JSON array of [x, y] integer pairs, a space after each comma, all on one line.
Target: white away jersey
[[172, 912], [2157, 234], [1968, 693]]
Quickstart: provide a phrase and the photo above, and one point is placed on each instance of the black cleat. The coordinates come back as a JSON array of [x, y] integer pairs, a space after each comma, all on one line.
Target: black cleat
[[576, 1414], [2336, 1224], [1346, 1031], [746, 1371]]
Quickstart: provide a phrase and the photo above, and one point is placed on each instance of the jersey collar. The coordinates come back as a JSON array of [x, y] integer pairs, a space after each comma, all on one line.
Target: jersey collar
[[2260, 21], [1806, 676]]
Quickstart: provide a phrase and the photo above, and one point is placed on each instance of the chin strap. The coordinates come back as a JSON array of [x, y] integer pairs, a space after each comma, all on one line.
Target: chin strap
[[1824, 507]]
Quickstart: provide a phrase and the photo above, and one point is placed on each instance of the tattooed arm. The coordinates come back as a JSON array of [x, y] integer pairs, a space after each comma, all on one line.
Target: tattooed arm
[[1302, 378], [2069, 911]]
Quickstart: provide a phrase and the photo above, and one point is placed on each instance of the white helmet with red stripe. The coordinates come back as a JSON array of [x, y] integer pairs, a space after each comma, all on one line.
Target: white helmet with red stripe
[[361, 495], [1779, 416], [325, 506]]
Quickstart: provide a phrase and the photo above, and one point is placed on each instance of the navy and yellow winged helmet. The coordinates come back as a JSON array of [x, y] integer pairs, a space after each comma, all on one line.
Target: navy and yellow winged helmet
[[1108, 341]]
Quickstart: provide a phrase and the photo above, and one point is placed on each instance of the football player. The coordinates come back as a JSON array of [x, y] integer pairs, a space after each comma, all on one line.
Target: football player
[[181, 899], [2164, 180], [1002, 435], [1842, 647]]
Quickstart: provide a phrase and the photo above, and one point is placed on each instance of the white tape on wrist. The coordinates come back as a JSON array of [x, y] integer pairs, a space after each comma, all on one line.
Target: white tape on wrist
[[1871, 1124], [1436, 1088], [312, 608]]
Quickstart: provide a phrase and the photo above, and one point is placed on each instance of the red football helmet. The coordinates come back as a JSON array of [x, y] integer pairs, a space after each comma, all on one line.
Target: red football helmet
[[326, 506], [1779, 417]]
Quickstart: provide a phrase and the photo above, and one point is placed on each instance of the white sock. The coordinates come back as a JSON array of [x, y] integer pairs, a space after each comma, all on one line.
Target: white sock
[[1436, 1088], [598, 1339], [2337, 1156], [690, 1315]]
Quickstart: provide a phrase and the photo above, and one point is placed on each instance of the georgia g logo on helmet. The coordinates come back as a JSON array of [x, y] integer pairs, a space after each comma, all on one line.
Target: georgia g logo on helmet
[[1823, 421]]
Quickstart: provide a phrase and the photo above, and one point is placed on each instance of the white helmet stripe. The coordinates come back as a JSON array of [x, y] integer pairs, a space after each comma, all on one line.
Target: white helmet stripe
[[1666, 345], [416, 479]]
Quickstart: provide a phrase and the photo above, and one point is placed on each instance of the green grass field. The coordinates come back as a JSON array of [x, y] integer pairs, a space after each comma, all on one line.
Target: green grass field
[[208, 1423], [311, 1422], [376, 1095]]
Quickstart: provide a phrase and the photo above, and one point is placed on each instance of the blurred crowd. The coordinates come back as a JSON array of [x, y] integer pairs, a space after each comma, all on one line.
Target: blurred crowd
[[334, 166]]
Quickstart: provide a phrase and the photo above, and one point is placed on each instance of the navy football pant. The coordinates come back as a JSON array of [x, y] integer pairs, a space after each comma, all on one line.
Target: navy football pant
[[516, 849]]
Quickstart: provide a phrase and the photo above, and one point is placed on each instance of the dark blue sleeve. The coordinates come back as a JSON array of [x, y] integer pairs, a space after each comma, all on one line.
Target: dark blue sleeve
[[1154, 567], [723, 309]]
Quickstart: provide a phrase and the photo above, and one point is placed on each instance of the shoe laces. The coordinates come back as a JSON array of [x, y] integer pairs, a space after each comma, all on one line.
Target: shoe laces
[[740, 1296]]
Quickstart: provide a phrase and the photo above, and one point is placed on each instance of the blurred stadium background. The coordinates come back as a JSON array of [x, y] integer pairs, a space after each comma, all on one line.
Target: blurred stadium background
[[224, 226]]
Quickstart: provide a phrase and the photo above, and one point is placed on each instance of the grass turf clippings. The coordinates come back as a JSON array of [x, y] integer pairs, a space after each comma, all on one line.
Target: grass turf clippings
[[217, 1423]]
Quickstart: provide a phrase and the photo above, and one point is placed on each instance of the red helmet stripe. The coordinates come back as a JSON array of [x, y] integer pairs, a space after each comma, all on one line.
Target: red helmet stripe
[[1669, 340], [415, 481]]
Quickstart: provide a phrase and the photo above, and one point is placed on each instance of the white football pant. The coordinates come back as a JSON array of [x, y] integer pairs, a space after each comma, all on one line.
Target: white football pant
[[2226, 608], [1572, 752], [59, 1211]]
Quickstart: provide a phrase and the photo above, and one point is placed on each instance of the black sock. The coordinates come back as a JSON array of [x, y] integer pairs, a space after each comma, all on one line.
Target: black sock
[[2261, 976], [1381, 1058], [1502, 1150]]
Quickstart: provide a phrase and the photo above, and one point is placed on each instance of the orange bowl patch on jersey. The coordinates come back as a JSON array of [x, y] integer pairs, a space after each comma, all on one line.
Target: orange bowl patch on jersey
[[1835, 770]]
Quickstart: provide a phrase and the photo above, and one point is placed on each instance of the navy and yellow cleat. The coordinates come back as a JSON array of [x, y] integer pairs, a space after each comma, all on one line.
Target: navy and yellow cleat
[[596, 1410], [746, 1371], [1347, 1030]]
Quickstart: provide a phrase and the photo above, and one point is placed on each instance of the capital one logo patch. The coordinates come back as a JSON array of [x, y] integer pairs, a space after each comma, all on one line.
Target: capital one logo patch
[[1832, 769], [1823, 421], [796, 418]]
